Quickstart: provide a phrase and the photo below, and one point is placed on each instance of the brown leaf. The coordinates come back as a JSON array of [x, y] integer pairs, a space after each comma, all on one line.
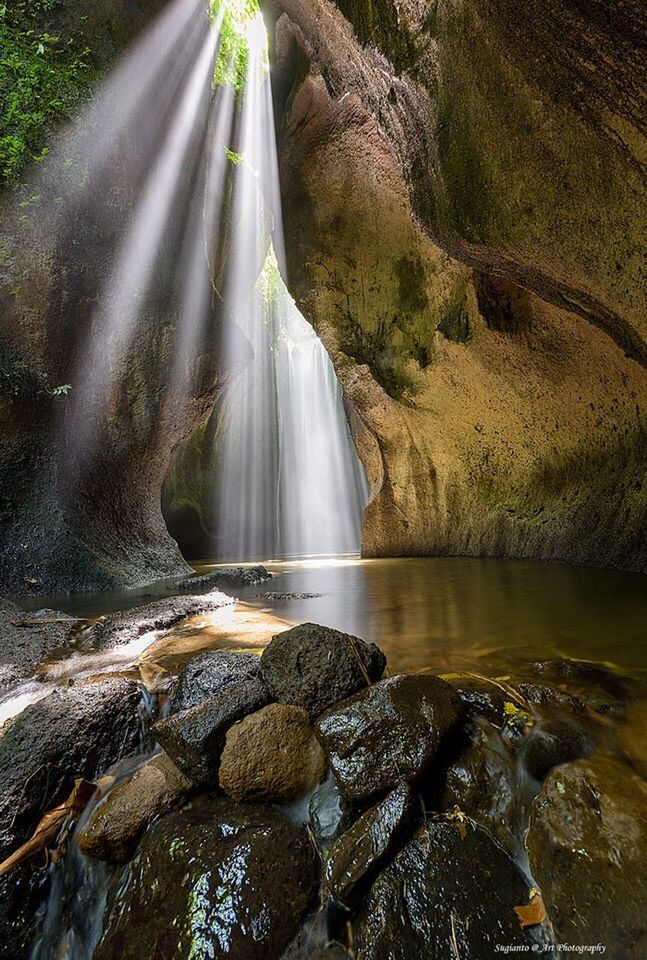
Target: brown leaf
[[532, 913], [49, 825]]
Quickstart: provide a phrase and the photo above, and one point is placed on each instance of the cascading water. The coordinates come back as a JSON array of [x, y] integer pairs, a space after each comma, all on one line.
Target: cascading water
[[193, 148], [175, 179]]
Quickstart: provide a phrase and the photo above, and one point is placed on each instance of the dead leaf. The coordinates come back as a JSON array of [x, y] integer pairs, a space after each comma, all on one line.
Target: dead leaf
[[532, 913], [50, 825]]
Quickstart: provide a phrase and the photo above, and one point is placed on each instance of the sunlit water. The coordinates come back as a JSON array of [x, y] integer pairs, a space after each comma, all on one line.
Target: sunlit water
[[426, 611]]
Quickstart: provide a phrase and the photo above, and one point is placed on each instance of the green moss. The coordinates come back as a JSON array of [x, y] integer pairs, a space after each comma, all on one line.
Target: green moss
[[42, 79], [376, 22]]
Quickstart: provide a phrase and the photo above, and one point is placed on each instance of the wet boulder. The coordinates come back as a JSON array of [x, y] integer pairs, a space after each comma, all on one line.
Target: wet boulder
[[315, 667], [484, 783], [79, 732], [208, 674], [389, 732], [547, 696], [450, 892], [116, 824], [553, 743], [481, 699], [272, 754], [213, 879], [76, 733], [194, 738], [372, 840], [587, 844]]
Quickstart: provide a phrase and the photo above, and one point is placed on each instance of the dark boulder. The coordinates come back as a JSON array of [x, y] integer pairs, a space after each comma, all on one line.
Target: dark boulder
[[450, 892], [194, 738], [481, 699], [360, 852], [315, 667], [484, 783], [214, 879], [77, 733], [542, 695], [207, 674], [554, 743], [389, 732], [587, 844], [225, 578]]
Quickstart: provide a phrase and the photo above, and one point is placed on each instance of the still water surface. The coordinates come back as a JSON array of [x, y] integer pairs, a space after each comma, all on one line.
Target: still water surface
[[432, 612]]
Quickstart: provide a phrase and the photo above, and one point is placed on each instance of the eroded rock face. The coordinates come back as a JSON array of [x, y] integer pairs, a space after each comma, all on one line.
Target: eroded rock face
[[587, 844], [314, 667], [448, 892], [389, 732], [470, 360], [216, 878], [271, 755], [115, 826], [27, 638]]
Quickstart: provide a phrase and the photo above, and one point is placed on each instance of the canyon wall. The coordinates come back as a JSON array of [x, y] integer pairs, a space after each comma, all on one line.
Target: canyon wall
[[462, 186]]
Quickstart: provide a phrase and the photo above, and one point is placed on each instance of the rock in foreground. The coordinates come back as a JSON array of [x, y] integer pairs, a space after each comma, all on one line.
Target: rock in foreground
[[194, 738], [450, 892], [215, 879], [362, 850], [387, 733], [587, 844], [208, 674], [76, 733], [271, 755], [315, 667], [115, 826]]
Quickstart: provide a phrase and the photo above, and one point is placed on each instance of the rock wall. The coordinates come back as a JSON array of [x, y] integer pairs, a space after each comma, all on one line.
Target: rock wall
[[67, 525], [460, 184]]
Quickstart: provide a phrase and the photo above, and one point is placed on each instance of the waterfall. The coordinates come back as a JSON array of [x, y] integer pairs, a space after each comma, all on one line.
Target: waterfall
[[290, 483], [173, 174]]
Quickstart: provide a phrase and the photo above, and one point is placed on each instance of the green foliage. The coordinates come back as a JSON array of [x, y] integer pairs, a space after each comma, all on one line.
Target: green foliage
[[42, 78], [236, 16], [19, 381]]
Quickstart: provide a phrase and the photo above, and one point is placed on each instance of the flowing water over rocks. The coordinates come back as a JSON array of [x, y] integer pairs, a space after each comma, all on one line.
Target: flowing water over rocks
[[438, 774]]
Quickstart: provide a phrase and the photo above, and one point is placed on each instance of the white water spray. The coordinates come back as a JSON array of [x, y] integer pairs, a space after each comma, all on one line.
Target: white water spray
[[184, 129]]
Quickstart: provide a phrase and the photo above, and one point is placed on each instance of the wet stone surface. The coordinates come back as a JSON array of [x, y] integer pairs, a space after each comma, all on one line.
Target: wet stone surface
[[210, 673], [587, 844], [225, 578], [116, 824], [216, 879], [194, 738], [314, 667], [450, 892], [360, 852], [389, 732]]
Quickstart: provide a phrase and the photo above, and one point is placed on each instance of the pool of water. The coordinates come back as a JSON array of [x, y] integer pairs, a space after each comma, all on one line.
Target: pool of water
[[436, 612]]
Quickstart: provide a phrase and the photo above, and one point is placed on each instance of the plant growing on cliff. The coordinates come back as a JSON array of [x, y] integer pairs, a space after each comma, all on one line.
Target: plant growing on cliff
[[42, 78], [237, 21]]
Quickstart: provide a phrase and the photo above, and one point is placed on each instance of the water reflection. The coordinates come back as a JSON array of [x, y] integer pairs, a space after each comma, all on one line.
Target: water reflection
[[423, 610], [439, 611]]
